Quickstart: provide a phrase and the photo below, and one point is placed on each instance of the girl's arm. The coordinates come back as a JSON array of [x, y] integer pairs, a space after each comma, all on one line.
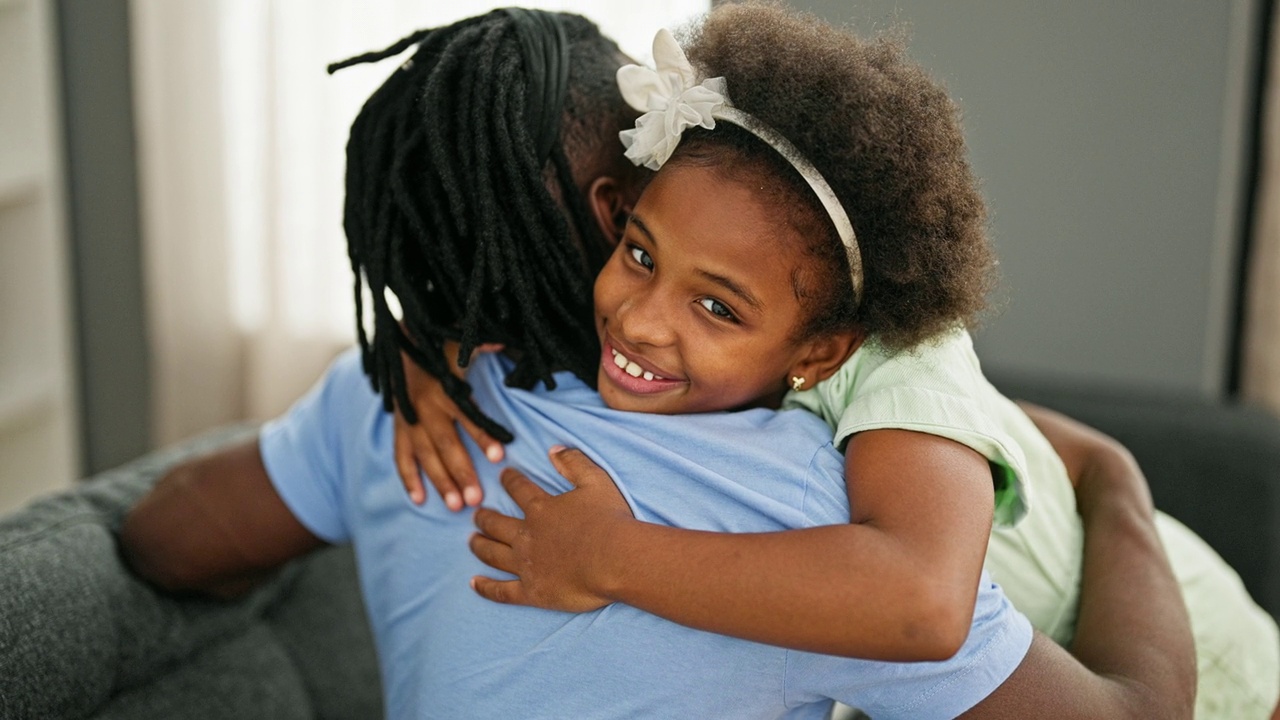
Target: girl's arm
[[897, 583], [1133, 654]]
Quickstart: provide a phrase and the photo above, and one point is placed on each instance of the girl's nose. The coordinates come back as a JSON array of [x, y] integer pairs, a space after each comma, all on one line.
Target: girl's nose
[[644, 319]]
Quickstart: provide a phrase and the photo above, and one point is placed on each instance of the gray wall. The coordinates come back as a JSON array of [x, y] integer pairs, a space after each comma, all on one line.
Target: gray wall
[[1110, 138], [103, 228]]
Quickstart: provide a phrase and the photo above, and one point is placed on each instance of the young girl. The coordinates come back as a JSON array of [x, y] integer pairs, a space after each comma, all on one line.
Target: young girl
[[814, 239]]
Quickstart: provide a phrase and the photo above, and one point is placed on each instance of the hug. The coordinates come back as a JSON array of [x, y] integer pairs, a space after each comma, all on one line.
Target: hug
[[669, 407]]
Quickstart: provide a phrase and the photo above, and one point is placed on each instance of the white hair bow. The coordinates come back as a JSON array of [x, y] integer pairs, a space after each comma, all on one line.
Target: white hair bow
[[671, 99]]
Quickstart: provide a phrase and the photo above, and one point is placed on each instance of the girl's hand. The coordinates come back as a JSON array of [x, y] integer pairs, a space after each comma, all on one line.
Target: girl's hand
[[433, 445], [556, 551]]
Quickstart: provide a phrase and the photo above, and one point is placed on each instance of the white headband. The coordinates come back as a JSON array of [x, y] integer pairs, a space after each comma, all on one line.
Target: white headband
[[673, 100]]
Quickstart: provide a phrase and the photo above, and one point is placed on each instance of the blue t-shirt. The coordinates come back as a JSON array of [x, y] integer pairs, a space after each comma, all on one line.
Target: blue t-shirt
[[445, 652]]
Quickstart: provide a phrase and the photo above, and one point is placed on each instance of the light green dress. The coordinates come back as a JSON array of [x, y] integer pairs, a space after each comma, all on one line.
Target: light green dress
[[1036, 546]]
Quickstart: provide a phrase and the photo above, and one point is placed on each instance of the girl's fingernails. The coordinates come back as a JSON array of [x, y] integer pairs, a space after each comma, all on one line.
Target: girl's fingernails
[[494, 453], [557, 449], [472, 495], [453, 500]]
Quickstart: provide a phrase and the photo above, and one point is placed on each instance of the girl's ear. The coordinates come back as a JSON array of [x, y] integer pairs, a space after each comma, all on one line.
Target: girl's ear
[[824, 356], [611, 207]]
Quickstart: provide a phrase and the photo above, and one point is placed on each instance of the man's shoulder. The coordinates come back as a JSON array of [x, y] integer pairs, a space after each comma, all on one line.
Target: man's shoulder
[[340, 397], [344, 383], [347, 370]]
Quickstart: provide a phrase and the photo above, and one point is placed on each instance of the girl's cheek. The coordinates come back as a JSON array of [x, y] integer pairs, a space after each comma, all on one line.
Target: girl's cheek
[[606, 288]]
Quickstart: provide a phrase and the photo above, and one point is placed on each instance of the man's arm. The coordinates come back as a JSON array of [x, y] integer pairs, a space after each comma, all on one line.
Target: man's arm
[[213, 525], [1134, 653]]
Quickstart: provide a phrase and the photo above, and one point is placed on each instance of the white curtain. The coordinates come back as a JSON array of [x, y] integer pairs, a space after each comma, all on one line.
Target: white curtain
[[241, 138], [1260, 376]]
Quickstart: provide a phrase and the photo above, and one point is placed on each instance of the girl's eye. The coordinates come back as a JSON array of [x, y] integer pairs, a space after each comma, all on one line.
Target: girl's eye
[[717, 308], [641, 257]]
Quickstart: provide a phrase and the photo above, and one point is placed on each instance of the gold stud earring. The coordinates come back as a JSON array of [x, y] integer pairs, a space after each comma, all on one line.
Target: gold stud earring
[[797, 383]]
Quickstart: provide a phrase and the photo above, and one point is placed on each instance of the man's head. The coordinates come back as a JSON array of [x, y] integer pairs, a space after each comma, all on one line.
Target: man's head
[[451, 207]]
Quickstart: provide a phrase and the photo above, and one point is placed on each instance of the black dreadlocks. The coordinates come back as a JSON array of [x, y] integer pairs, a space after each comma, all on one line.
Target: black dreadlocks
[[448, 208]]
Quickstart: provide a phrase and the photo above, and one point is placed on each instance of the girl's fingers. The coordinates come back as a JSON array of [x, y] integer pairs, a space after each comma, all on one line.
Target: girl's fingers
[[448, 447], [508, 592], [575, 466], [407, 464], [493, 449], [429, 460], [492, 553], [496, 526], [522, 489]]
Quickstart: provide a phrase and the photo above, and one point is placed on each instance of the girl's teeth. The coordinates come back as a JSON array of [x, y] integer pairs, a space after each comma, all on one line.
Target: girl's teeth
[[629, 367]]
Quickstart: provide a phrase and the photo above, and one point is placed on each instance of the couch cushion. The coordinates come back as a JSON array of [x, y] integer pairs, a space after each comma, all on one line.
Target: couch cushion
[[246, 676]]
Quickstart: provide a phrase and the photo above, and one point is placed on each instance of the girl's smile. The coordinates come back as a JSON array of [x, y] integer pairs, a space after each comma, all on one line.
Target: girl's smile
[[698, 306], [633, 372]]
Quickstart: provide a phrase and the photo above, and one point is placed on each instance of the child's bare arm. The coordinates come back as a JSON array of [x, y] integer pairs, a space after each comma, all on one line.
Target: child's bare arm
[[433, 444], [1134, 656], [898, 583]]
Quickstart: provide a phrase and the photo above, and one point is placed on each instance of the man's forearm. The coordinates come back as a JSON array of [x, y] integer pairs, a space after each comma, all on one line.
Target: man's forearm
[[1133, 623], [1133, 652]]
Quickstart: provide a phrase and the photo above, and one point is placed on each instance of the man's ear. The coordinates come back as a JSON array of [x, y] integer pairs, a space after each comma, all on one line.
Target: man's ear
[[611, 207], [824, 355]]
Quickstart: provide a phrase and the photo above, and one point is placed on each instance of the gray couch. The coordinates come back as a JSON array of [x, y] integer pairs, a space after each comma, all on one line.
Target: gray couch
[[81, 638]]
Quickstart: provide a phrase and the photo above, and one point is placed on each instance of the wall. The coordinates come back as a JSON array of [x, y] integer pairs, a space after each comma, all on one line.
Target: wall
[[112, 359], [38, 398], [1111, 141]]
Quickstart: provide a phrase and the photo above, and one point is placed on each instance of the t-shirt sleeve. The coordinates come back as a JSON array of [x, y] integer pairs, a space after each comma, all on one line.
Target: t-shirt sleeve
[[937, 389], [998, 641], [303, 451]]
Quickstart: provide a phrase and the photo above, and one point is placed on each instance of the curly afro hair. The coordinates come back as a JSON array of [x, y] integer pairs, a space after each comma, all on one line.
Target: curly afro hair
[[886, 137]]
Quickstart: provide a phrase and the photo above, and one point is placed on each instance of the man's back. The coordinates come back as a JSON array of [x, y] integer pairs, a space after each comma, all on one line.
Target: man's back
[[447, 653]]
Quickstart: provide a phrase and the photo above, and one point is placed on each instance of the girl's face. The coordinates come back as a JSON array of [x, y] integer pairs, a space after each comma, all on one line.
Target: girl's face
[[697, 308]]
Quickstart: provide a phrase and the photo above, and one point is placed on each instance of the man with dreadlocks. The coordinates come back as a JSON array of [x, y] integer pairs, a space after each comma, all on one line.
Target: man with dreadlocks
[[464, 172], [461, 193]]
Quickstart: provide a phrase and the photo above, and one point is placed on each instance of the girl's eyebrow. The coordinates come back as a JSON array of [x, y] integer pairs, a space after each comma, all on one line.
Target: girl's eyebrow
[[635, 220]]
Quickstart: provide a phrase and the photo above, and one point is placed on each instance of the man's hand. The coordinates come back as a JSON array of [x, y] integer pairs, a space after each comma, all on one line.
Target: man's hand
[[433, 445], [553, 550]]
